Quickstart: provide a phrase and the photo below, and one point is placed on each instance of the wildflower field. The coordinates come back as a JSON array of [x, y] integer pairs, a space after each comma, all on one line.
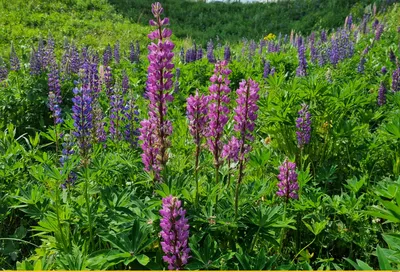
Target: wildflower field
[[124, 147]]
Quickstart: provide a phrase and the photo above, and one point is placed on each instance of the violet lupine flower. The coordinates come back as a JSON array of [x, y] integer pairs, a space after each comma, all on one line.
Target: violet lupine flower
[[48, 55], [361, 64], [288, 185], [334, 52], [174, 233], [107, 55], [67, 152], [302, 68], [199, 53], [218, 109], [227, 53], [267, 69], [196, 110], [176, 84], [34, 64], [151, 151], [323, 36], [379, 31], [137, 53], [396, 80], [3, 70], [131, 122], [132, 53], [303, 124], [392, 56], [231, 150], [116, 113], [313, 50], [55, 108], [159, 82], [182, 55], [349, 21], [252, 49], [108, 81], [375, 23], [382, 94], [263, 43], [210, 52], [245, 112], [383, 70], [125, 83], [74, 59], [272, 71], [14, 60], [83, 121], [98, 132]]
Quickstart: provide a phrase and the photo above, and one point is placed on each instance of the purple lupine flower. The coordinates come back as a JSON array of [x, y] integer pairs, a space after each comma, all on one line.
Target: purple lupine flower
[[197, 114], [55, 108], [227, 53], [288, 185], [182, 55], [375, 24], [159, 82], [132, 53], [263, 43], [334, 52], [3, 70], [272, 71], [396, 80], [210, 52], [108, 81], [323, 36], [74, 59], [107, 55], [199, 53], [313, 50], [131, 122], [379, 31], [218, 110], [252, 49], [349, 20], [231, 150], [14, 60], [148, 136], [137, 52], [67, 152], [98, 132], [383, 70], [361, 64], [392, 56], [267, 69], [83, 121], [303, 124], [176, 84], [382, 94], [302, 68], [174, 233], [125, 83], [116, 113], [55, 98], [245, 116], [34, 64]]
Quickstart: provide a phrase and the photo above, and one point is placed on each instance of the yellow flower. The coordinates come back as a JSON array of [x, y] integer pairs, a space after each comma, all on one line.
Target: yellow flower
[[270, 37]]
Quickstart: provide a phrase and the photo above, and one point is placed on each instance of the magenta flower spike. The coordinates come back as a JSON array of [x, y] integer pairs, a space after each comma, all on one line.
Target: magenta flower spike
[[218, 110], [174, 233], [159, 82], [288, 185], [197, 114]]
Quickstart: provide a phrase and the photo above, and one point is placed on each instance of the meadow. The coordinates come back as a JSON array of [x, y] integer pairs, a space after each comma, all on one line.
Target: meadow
[[124, 146]]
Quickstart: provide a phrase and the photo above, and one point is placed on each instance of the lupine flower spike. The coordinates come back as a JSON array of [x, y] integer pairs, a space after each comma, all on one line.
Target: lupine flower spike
[[288, 185], [155, 131], [174, 233], [303, 124]]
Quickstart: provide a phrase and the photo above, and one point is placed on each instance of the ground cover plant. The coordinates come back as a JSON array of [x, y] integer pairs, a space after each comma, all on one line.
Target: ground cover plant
[[148, 152]]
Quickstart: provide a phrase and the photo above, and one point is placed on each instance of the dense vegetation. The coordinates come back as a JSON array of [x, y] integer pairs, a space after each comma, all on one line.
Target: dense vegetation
[[87, 162], [235, 21]]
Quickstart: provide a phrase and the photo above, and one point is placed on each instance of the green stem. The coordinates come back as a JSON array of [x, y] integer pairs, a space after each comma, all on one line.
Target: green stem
[[283, 230], [88, 209], [58, 219], [237, 188], [196, 173], [217, 182], [303, 249], [19, 240]]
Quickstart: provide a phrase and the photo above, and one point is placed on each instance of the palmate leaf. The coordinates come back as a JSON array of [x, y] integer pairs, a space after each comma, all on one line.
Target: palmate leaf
[[131, 243]]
